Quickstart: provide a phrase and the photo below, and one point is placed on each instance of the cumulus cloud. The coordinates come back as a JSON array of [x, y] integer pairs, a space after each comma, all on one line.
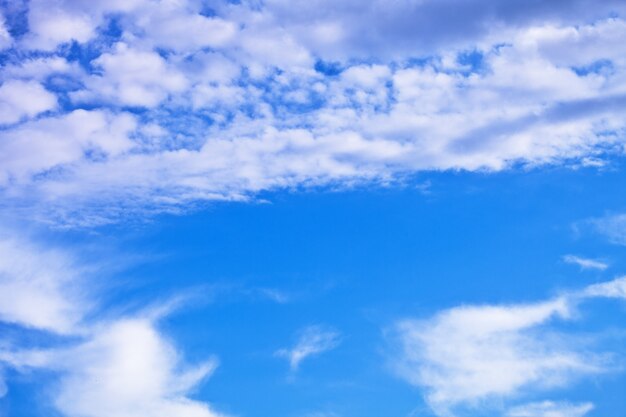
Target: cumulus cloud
[[132, 78], [312, 340], [65, 140], [468, 356], [20, 99], [252, 97]]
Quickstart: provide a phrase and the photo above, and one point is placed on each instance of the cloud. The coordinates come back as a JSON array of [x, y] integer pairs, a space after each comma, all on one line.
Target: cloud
[[613, 227], [550, 409], [20, 99], [129, 369], [65, 140], [105, 365], [585, 263], [312, 340], [5, 36], [416, 28], [40, 288], [131, 78], [466, 357], [253, 97]]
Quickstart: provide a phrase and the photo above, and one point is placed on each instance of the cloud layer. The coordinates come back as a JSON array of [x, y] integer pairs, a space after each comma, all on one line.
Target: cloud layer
[[113, 107]]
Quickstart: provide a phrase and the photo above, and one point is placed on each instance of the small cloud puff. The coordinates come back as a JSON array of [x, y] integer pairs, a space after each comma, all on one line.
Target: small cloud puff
[[312, 340]]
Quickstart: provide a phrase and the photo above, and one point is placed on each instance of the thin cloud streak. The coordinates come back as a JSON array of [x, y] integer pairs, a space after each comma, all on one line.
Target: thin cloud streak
[[585, 263], [312, 341]]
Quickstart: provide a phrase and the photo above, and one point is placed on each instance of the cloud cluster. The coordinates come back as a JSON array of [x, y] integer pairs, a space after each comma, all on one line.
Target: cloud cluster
[[472, 356], [116, 107]]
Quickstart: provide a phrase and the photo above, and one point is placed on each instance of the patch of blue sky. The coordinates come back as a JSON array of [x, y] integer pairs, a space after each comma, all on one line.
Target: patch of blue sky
[[328, 68], [15, 13], [602, 66]]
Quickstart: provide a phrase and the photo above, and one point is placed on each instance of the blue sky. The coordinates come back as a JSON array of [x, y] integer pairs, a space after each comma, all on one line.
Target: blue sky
[[312, 209]]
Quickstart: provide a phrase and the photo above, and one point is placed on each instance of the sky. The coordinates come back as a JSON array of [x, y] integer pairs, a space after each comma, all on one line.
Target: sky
[[252, 208]]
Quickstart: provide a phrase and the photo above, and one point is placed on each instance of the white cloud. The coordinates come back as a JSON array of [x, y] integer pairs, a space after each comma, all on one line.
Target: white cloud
[[114, 367], [416, 28], [51, 25], [132, 78], [610, 289], [19, 99], [467, 357], [312, 340], [39, 288], [585, 263], [64, 140], [242, 108], [185, 32], [550, 409], [613, 227], [5, 36], [40, 69], [129, 369], [54, 23]]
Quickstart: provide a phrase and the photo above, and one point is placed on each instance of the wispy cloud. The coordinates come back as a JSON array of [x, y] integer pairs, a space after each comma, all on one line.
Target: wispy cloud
[[107, 367], [469, 354], [609, 289], [128, 368], [585, 263], [40, 287], [612, 226], [550, 409], [312, 340]]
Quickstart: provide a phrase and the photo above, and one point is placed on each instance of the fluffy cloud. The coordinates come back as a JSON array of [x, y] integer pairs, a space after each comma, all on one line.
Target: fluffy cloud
[[131, 78], [128, 369], [312, 340], [65, 140], [20, 99], [467, 356], [251, 97]]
